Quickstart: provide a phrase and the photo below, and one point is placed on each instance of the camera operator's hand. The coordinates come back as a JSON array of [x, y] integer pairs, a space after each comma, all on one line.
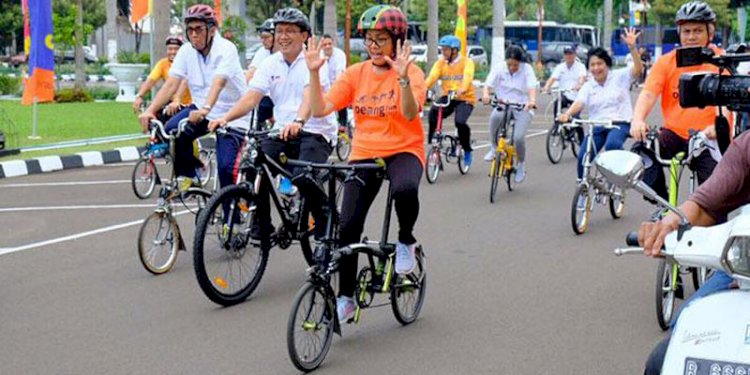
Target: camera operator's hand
[[638, 130], [710, 132]]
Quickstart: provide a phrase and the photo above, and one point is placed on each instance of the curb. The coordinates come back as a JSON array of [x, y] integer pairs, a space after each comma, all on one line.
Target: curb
[[46, 164]]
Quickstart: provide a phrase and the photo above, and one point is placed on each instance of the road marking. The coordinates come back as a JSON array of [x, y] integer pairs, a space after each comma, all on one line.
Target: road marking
[[8, 250], [79, 207], [68, 183]]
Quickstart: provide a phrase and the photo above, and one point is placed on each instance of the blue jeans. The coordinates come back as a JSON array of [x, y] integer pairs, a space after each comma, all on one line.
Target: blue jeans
[[610, 139], [718, 282]]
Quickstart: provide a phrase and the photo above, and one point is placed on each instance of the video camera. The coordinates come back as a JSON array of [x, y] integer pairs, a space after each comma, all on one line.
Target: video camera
[[712, 89]]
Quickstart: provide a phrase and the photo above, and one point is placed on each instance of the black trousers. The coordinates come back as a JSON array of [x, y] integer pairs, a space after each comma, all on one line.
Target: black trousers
[[463, 111], [404, 172]]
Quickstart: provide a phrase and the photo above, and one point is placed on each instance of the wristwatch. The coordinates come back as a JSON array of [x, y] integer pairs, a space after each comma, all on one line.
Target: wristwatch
[[300, 121], [207, 107]]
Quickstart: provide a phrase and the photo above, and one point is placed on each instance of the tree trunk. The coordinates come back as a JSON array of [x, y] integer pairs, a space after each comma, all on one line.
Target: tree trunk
[[432, 33], [110, 31], [80, 82], [607, 40], [329, 18], [658, 45], [160, 30], [498, 32]]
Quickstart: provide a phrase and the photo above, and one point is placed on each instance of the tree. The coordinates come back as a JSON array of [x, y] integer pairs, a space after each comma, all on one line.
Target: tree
[[80, 82], [12, 21], [330, 24]]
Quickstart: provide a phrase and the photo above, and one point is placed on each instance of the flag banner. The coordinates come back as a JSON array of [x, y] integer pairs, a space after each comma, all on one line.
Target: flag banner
[[26, 30], [461, 24], [139, 9], [41, 81], [219, 13]]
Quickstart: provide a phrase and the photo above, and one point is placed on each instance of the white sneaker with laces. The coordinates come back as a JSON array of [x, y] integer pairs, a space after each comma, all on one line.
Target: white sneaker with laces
[[489, 155], [405, 259], [345, 308]]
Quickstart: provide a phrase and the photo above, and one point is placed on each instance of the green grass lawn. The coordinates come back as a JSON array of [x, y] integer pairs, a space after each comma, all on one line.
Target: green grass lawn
[[66, 122]]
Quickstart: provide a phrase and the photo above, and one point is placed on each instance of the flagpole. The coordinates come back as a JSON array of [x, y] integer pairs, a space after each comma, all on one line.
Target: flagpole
[[151, 49], [33, 131]]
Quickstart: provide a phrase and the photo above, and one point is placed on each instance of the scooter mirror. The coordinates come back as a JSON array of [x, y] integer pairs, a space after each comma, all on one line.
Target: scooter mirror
[[622, 168]]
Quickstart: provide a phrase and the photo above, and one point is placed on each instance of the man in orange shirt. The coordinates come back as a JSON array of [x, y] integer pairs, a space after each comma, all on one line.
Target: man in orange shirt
[[696, 26]]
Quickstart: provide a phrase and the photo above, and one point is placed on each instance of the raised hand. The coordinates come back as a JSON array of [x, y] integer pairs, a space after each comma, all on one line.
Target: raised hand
[[313, 56], [630, 36], [403, 59]]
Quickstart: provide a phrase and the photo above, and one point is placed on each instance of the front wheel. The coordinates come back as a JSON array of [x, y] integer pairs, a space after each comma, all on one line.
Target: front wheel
[[343, 147], [432, 172], [463, 168], [665, 293], [228, 267], [580, 210], [496, 171], [143, 178], [158, 243], [408, 291], [309, 330], [555, 144], [510, 174], [616, 203]]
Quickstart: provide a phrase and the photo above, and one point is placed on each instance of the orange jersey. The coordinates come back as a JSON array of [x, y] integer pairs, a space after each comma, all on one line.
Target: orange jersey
[[664, 80], [382, 130], [455, 76], [161, 71]]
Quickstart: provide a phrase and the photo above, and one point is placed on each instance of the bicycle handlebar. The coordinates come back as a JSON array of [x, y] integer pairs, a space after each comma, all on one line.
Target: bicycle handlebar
[[696, 145], [607, 124], [378, 165], [497, 103], [449, 99]]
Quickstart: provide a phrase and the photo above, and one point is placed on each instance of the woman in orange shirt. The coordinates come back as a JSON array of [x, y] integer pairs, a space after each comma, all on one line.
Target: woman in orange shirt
[[386, 93]]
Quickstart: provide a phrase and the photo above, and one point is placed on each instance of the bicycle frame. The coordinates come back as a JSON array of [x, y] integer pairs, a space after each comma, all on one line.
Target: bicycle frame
[[590, 151], [507, 147]]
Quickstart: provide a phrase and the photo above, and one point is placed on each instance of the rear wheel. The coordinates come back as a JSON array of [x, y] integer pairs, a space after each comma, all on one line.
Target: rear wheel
[[228, 266], [309, 330], [495, 173], [158, 243], [555, 144], [575, 139], [432, 172], [143, 178], [510, 174], [665, 293], [408, 291], [616, 203], [208, 159], [580, 210]]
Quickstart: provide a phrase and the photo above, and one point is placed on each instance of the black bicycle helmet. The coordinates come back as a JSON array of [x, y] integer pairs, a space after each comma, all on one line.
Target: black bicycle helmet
[[695, 11], [266, 27], [292, 16]]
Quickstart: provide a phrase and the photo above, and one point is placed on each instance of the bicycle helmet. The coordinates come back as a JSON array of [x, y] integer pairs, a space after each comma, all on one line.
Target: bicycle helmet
[[292, 16], [173, 40], [450, 41], [201, 12], [695, 11], [384, 17], [267, 26]]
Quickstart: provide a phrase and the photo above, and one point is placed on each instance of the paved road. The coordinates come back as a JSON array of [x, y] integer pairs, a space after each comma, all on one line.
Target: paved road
[[512, 290]]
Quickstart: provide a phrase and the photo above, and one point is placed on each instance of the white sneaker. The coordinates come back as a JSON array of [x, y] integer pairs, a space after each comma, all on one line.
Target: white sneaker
[[489, 155], [520, 173], [345, 308], [405, 259]]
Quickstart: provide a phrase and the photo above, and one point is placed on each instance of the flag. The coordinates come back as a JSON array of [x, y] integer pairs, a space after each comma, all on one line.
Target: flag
[[41, 81], [217, 9], [461, 25], [139, 9], [26, 30]]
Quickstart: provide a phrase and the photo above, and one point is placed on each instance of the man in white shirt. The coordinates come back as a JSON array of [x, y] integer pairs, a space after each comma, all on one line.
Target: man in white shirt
[[571, 76], [336, 65], [211, 66], [284, 77], [266, 31], [515, 82]]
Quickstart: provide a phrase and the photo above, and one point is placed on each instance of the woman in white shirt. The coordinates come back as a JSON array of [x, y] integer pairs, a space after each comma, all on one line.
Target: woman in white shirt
[[514, 82], [607, 97]]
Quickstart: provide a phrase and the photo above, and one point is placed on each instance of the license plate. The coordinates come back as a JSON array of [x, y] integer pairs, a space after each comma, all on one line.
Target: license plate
[[696, 366]]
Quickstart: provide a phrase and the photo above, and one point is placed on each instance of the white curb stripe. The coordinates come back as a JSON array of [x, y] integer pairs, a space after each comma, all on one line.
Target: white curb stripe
[[128, 153], [50, 163], [14, 168], [91, 158]]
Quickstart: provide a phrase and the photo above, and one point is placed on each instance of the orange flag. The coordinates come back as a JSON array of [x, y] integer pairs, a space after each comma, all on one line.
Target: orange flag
[[139, 9], [461, 24], [217, 9]]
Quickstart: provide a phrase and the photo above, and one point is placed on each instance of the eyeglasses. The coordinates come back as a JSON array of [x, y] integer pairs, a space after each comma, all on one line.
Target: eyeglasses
[[287, 32], [196, 30], [378, 42]]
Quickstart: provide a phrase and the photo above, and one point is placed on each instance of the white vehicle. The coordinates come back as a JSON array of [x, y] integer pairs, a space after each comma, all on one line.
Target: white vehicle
[[419, 52], [477, 54], [250, 51], [712, 334]]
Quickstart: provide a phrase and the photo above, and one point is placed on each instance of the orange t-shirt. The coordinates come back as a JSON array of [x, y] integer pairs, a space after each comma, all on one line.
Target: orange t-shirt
[[161, 72], [664, 79], [382, 130]]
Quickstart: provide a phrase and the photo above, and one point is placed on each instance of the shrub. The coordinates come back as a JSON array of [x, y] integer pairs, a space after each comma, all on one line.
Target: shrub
[[103, 93], [10, 85], [124, 57], [72, 96]]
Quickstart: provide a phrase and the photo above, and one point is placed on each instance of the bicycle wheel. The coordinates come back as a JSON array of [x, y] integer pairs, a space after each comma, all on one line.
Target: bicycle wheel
[[209, 166], [462, 167], [496, 171], [343, 147], [580, 213], [510, 174], [408, 291], [665, 294], [700, 275], [309, 330], [158, 243], [143, 178], [432, 172], [575, 139], [227, 266], [617, 203], [555, 144]]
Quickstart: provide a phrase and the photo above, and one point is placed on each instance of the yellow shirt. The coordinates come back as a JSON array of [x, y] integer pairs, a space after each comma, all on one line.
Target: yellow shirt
[[161, 72], [454, 76]]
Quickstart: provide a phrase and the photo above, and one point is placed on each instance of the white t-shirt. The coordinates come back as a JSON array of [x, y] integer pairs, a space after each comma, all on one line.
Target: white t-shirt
[[512, 87], [568, 76], [221, 61], [336, 63], [261, 54], [608, 101], [285, 84]]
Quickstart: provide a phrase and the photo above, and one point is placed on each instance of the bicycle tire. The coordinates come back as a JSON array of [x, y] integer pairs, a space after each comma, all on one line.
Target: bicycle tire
[[616, 203], [555, 139], [405, 284], [462, 167], [510, 174], [432, 170], [575, 141], [167, 233], [665, 294], [580, 224], [148, 175], [327, 315], [343, 147], [495, 174], [700, 275], [216, 284], [209, 167]]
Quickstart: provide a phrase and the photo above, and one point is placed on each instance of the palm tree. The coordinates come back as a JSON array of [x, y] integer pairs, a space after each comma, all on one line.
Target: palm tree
[[432, 32], [330, 26], [80, 82], [498, 32]]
